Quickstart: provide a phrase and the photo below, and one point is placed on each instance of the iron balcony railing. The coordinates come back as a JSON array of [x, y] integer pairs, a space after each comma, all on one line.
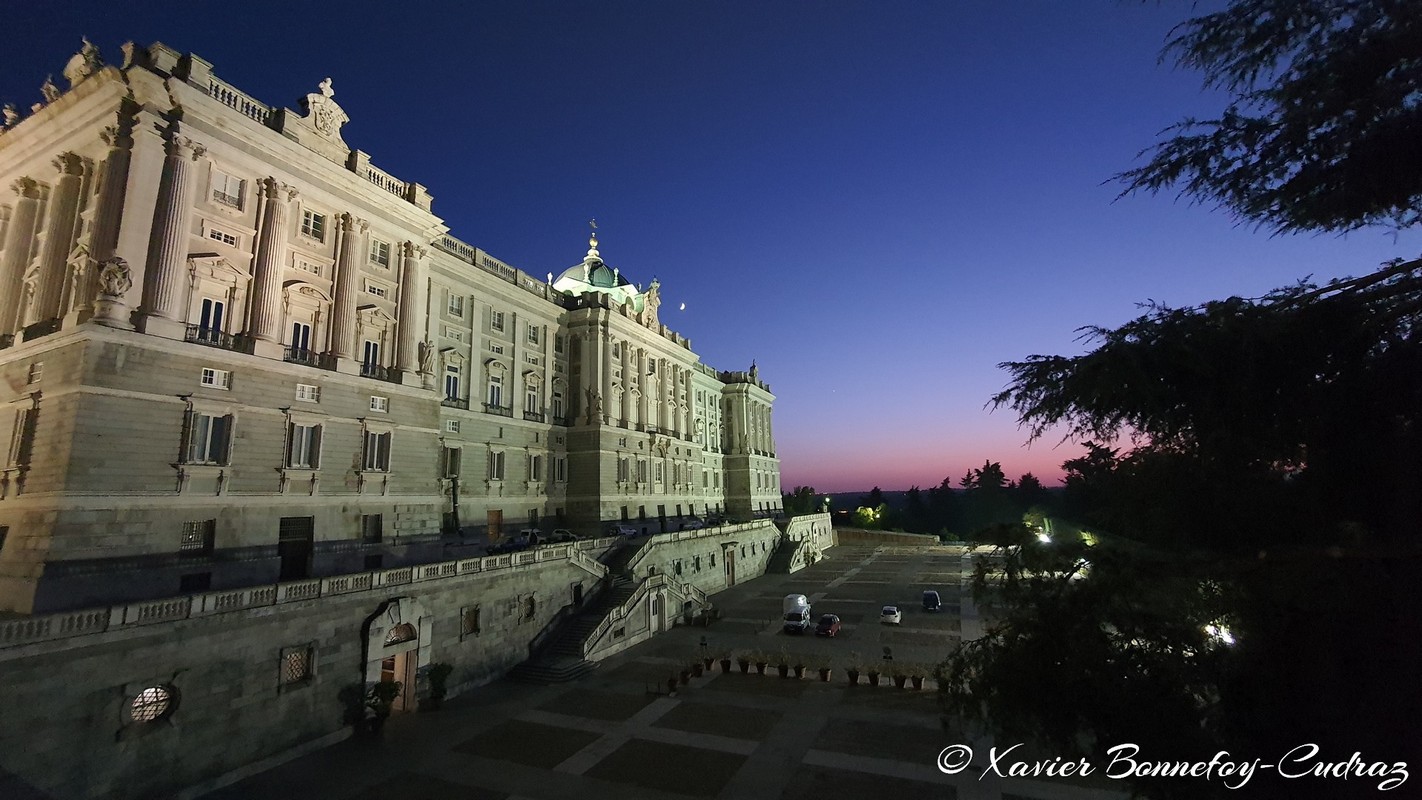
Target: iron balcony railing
[[533, 416], [387, 374], [215, 338], [311, 358], [503, 411], [455, 402]]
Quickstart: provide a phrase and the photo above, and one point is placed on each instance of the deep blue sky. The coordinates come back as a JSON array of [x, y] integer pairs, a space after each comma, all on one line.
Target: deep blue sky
[[876, 201]]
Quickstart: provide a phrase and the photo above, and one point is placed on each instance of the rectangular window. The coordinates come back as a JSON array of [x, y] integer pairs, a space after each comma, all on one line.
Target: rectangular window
[[222, 236], [308, 393], [530, 400], [451, 459], [535, 468], [377, 452], [623, 469], [198, 536], [496, 391], [454, 334], [496, 320], [451, 382], [558, 344], [303, 447], [216, 378], [372, 528], [496, 348], [211, 318], [469, 621], [379, 405], [560, 470], [533, 333], [296, 665], [370, 355], [227, 189], [641, 471], [373, 288], [380, 253], [496, 465], [301, 336], [661, 472], [313, 225], [23, 437], [208, 438], [530, 358], [451, 426], [456, 305], [557, 403]]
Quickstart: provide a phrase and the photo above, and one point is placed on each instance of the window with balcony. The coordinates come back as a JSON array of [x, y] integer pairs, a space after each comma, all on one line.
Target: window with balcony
[[496, 391], [451, 382], [227, 189]]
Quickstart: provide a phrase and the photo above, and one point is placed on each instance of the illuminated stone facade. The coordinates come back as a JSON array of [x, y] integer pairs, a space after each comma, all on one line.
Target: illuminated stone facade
[[236, 352]]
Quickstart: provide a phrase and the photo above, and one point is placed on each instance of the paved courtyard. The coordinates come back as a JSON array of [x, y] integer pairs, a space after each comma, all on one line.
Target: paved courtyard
[[620, 733]]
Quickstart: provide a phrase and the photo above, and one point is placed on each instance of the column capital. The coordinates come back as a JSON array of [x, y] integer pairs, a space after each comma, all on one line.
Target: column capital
[[350, 223], [68, 164], [27, 188], [113, 136], [413, 250], [185, 148], [276, 190]]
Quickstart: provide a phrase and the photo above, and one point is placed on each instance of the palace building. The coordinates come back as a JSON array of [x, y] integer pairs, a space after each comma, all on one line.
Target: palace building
[[236, 352]]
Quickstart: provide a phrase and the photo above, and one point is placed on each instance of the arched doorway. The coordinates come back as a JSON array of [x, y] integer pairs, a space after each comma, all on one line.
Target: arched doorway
[[397, 647]]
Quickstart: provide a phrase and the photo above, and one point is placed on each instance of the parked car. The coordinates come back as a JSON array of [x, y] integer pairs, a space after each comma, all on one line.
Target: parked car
[[560, 536], [692, 524], [931, 601], [796, 608], [829, 625], [622, 529], [523, 540], [891, 615]]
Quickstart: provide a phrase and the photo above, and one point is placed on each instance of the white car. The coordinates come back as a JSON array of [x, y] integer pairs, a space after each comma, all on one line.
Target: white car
[[891, 615]]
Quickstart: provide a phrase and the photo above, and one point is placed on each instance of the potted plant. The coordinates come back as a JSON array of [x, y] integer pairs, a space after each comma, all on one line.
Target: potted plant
[[760, 659], [799, 669], [697, 670], [726, 663], [873, 676], [783, 663], [707, 660], [743, 660], [685, 677], [900, 677], [380, 699], [825, 672], [853, 669], [917, 675], [439, 686]]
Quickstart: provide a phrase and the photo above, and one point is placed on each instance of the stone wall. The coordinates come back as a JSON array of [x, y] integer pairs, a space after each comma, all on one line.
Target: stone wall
[[70, 693], [860, 537]]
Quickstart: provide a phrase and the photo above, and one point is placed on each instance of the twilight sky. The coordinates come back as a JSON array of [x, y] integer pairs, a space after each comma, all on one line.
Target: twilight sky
[[876, 201]]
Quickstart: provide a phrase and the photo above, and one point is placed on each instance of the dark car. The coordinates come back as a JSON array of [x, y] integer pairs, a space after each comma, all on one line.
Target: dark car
[[829, 625], [931, 601]]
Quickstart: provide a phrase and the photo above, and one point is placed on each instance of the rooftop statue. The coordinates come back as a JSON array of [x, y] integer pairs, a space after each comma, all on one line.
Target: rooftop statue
[[82, 64]]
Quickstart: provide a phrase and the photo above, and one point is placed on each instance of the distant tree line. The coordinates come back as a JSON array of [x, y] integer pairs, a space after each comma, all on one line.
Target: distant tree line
[[983, 499]]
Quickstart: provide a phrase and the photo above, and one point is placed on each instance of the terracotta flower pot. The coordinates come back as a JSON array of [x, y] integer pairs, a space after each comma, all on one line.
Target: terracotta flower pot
[[760, 668], [725, 665], [825, 673], [799, 670], [873, 679], [854, 677], [745, 666], [917, 681], [900, 680], [784, 669]]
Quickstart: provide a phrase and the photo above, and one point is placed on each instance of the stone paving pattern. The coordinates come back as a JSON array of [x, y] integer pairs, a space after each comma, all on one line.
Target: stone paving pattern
[[619, 733]]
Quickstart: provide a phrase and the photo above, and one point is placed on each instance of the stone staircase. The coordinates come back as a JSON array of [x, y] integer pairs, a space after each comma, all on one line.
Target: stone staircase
[[783, 559], [561, 659]]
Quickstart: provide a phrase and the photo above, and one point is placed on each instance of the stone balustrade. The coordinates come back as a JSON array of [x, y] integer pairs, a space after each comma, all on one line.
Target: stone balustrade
[[68, 624], [234, 98]]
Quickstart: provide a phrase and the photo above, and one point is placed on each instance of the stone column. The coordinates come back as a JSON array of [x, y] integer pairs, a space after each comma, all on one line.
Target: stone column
[[607, 378], [270, 268], [690, 403], [412, 284], [164, 288], [104, 227], [58, 240], [16, 256], [625, 408], [343, 311], [665, 373]]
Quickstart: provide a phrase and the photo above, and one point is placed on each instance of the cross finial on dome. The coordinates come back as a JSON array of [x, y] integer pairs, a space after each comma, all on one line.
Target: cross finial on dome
[[592, 240]]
